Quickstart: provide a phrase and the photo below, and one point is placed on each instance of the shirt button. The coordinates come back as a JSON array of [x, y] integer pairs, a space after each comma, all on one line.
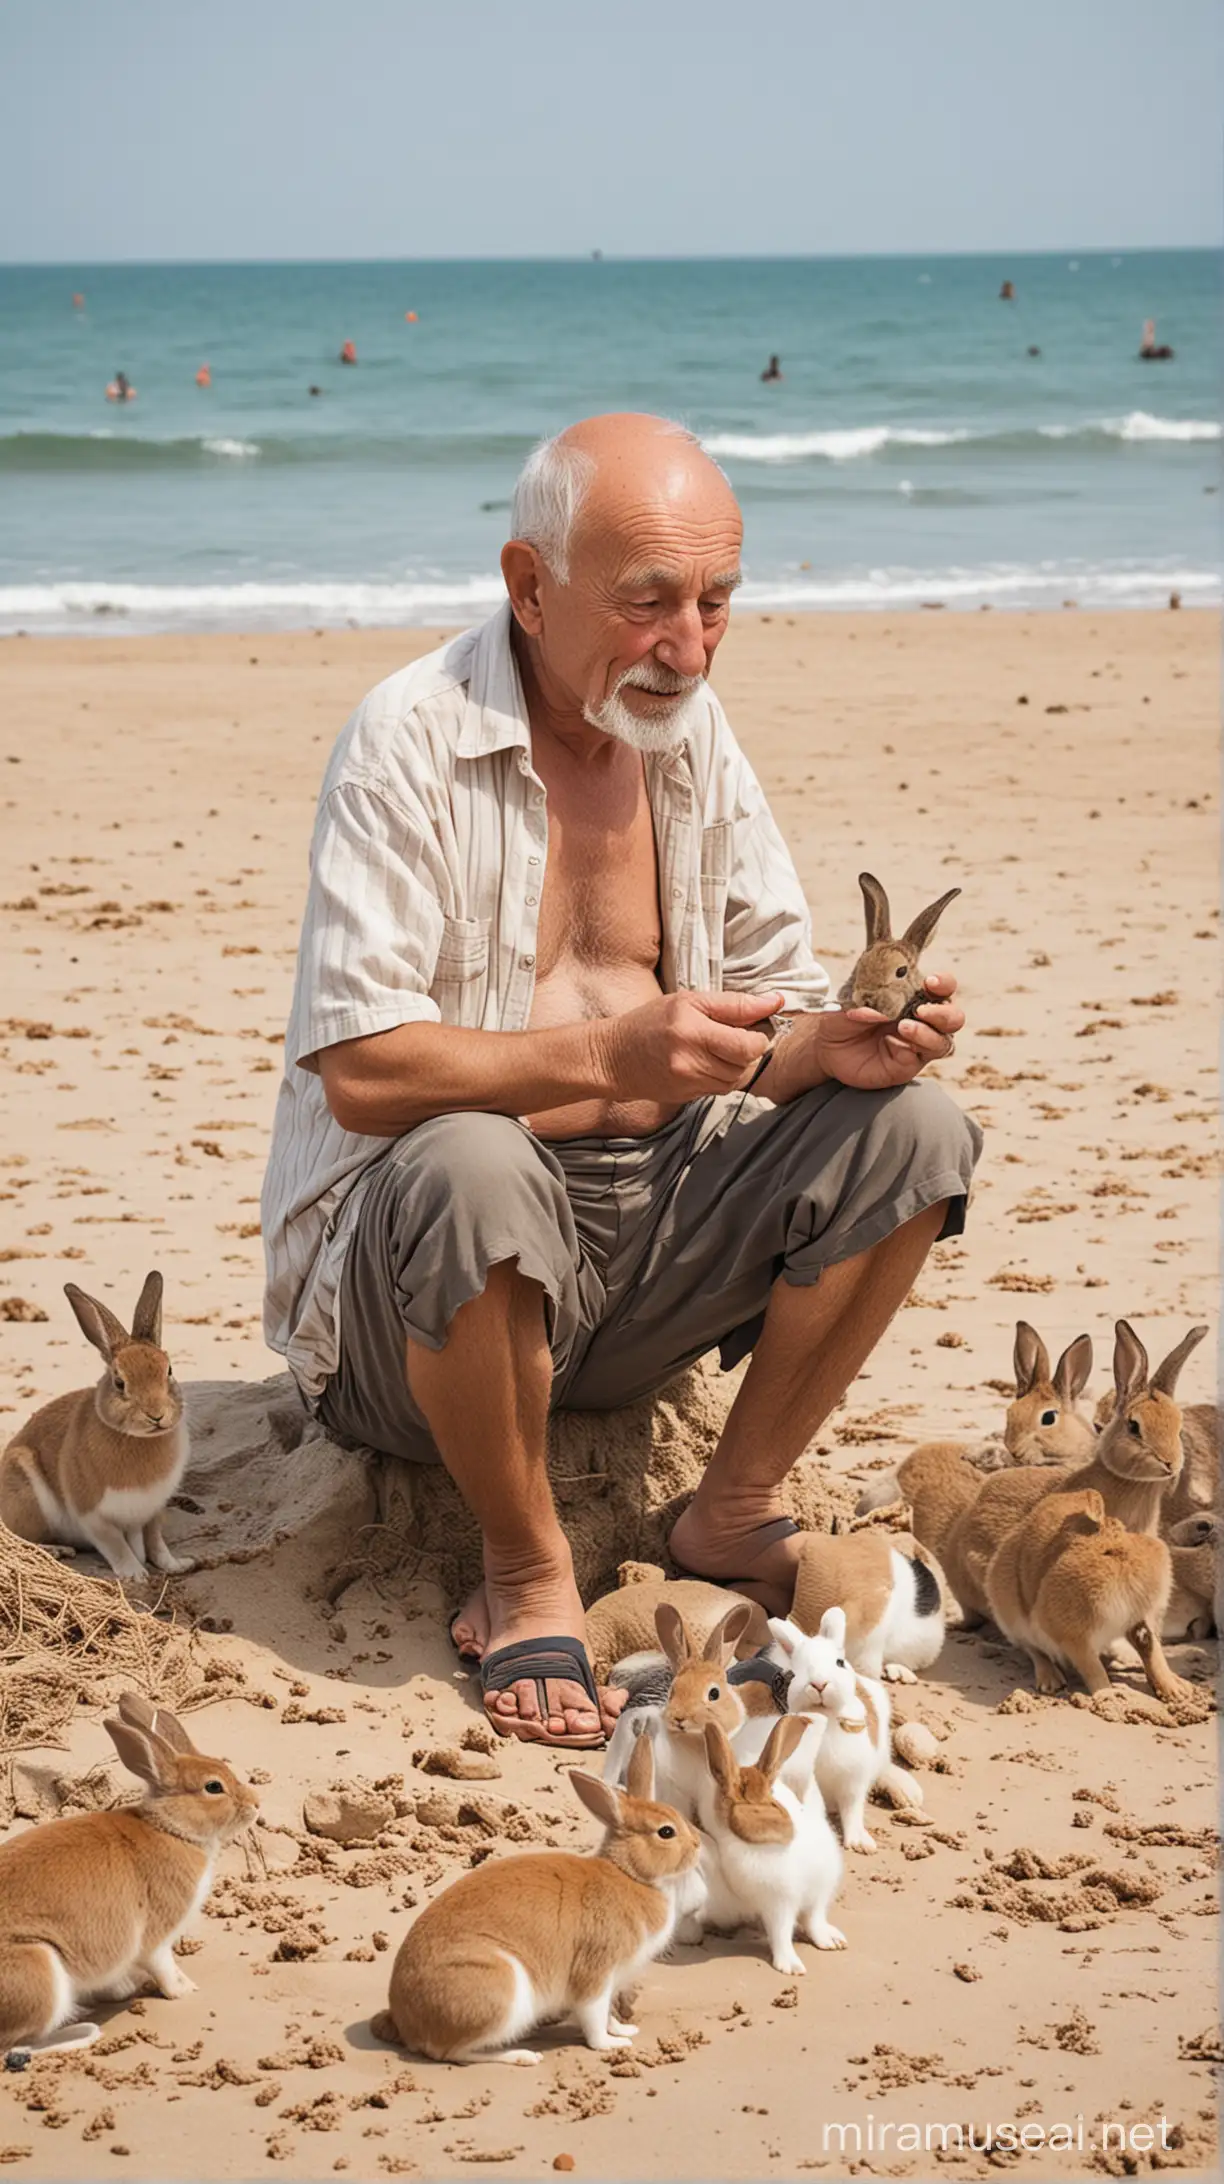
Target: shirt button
[[528, 962], [532, 900], [533, 860], [538, 798], [677, 894]]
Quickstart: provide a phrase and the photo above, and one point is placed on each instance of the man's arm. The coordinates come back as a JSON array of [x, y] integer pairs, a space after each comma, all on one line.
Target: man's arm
[[677, 1048]]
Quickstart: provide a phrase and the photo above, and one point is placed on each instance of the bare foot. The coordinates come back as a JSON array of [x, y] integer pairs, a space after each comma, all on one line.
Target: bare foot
[[542, 1603], [726, 1544], [470, 1629]]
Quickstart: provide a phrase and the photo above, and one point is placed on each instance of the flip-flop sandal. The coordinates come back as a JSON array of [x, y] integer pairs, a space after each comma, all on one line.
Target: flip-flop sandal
[[768, 1534], [539, 1661]]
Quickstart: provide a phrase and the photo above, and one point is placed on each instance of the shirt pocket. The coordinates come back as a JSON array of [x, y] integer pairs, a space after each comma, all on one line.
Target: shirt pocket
[[462, 969], [715, 883]]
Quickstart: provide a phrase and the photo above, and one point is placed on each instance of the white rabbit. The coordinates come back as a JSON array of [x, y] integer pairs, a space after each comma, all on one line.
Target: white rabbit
[[855, 1753], [775, 1858]]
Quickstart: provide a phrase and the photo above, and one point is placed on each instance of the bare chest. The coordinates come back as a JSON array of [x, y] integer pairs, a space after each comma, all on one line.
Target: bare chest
[[600, 904]]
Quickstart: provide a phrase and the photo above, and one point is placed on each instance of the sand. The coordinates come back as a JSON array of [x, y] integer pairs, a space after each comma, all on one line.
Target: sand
[[155, 808]]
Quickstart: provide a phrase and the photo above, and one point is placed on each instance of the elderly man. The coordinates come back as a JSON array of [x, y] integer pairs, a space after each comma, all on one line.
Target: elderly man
[[565, 1104]]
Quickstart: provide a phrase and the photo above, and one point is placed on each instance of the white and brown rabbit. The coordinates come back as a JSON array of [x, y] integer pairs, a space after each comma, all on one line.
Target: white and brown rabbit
[[1194, 1549], [96, 1468], [776, 1859], [548, 1935], [91, 1906], [675, 1697], [887, 976]]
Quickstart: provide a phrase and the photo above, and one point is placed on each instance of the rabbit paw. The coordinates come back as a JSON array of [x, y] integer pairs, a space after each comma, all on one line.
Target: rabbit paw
[[170, 1978], [862, 1842], [897, 1672], [788, 1960], [625, 2032], [172, 1565], [825, 1936], [522, 2056]]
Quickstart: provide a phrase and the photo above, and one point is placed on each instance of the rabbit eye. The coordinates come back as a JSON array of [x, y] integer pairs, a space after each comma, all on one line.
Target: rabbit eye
[[667, 1833], [714, 1692], [120, 1386], [901, 970], [841, 1664], [215, 1788], [1049, 1417], [1133, 1426]]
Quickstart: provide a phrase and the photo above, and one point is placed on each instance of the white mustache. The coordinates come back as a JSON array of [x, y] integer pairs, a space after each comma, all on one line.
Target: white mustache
[[662, 682]]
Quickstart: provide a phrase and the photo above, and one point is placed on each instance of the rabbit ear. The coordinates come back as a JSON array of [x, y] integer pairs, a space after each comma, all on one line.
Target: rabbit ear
[[784, 1739], [721, 1644], [833, 1626], [1130, 1365], [600, 1797], [1030, 1358], [143, 1755], [155, 1721], [673, 1634], [640, 1778], [97, 1322], [785, 1634], [1074, 1369], [147, 1318], [720, 1759], [875, 904], [1165, 1376], [918, 932]]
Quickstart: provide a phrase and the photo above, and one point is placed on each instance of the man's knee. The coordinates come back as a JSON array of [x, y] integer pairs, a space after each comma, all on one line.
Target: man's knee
[[931, 1134], [483, 1182]]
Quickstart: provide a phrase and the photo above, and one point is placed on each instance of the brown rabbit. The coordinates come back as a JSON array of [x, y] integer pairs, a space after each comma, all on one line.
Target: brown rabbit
[[547, 1935], [886, 976], [1194, 1546], [91, 1906], [97, 1468], [1069, 1581], [691, 1691], [1042, 1425], [1197, 1487]]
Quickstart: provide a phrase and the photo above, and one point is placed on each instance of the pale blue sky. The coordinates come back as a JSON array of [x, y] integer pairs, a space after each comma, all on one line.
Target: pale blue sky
[[507, 128]]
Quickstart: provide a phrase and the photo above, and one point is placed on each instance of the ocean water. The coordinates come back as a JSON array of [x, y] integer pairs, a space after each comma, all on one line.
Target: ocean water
[[913, 449]]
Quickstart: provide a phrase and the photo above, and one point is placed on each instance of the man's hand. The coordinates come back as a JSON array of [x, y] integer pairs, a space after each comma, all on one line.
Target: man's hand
[[684, 1045], [861, 1048]]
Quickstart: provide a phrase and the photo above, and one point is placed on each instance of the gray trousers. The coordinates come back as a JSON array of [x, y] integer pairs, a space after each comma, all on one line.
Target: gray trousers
[[649, 1251]]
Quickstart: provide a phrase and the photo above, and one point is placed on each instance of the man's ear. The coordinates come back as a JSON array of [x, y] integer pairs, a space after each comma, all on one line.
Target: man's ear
[[521, 568]]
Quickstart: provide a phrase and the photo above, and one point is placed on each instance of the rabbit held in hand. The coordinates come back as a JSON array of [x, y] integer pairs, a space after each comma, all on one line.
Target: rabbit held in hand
[[91, 1906], [887, 976], [96, 1468], [551, 1934]]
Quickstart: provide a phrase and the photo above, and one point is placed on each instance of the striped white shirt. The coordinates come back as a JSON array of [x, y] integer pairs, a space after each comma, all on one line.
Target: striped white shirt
[[426, 864]]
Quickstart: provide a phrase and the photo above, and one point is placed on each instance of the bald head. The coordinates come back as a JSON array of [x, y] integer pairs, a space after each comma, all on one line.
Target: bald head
[[597, 472], [620, 572]]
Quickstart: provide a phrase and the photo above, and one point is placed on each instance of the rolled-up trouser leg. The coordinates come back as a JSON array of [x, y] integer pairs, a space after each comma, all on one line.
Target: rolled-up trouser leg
[[456, 1196]]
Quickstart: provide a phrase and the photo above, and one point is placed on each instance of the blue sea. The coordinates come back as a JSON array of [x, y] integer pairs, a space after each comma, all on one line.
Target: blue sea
[[913, 450]]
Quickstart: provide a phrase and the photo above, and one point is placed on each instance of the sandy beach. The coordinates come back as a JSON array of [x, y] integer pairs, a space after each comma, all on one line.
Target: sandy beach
[[156, 798]]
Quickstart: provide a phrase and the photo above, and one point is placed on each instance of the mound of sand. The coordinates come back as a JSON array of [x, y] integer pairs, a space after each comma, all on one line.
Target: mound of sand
[[261, 1469]]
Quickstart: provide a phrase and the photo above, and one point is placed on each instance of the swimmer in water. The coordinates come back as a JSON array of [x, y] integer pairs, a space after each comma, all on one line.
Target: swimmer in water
[[1007, 294], [1152, 351], [773, 370], [348, 354], [314, 390], [121, 389], [204, 376]]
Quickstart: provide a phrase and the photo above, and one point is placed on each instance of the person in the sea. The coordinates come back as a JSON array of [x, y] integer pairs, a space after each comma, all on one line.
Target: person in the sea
[[348, 354], [773, 370], [566, 1103], [121, 389], [1151, 350]]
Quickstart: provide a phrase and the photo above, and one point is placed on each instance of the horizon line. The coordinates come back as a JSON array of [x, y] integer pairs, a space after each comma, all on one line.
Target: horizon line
[[597, 255]]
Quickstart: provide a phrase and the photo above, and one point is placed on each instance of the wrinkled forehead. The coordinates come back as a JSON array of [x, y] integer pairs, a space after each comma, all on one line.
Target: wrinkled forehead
[[682, 526]]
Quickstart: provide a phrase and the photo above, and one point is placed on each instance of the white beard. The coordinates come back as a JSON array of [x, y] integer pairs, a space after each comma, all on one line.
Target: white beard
[[663, 731]]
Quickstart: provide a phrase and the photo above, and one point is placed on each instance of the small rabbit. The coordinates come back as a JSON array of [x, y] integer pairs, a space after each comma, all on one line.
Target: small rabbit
[[854, 1756], [97, 1468], [887, 977], [1042, 1425], [679, 1694], [1069, 1581], [546, 1935], [776, 1859], [1194, 1548], [892, 1597], [91, 1906]]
